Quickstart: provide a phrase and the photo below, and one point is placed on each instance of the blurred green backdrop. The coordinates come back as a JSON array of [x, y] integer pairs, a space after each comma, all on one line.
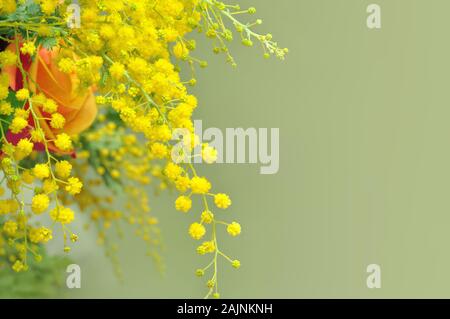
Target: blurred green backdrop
[[365, 161]]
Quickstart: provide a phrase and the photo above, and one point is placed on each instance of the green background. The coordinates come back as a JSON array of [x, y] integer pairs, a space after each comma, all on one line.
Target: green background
[[365, 162]]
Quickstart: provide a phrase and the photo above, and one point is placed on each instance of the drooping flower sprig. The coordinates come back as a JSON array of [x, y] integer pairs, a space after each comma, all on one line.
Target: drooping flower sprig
[[89, 116]]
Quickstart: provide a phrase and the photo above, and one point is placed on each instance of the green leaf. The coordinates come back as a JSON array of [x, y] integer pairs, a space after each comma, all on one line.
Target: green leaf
[[15, 104], [47, 43], [25, 11]]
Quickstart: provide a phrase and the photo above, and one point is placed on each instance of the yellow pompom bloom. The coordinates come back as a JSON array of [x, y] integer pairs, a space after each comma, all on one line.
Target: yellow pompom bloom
[[3, 92], [158, 150], [73, 238], [49, 106], [183, 204], [58, 121], [162, 133], [27, 177], [23, 94], [39, 203], [197, 230], [40, 235], [63, 142], [66, 65], [49, 186], [18, 124], [8, 206], [200, 272], [74, 186], [28, 48], [107, 31], [234, 229], [115, 173], [206, 247], [8, 6], [200, 185], [37, 135], [236, 263], [49, 6], [64, 215], [5, 108], [8, 58], [191, 100], [117, 70], [183, 183], [10, 227], [180, 51], [39, 99], [209, 154], [207, 217], [63, 169], [24, 147], [41, 171], [18, 266], [222, 200], [100, 99], [172, 171], [21, 113]]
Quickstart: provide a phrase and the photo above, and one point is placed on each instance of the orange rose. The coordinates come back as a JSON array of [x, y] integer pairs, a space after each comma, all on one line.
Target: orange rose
[[76, 105]]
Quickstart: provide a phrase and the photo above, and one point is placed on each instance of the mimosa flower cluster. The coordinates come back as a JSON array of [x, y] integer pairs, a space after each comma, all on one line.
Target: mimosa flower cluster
[[88, 117]]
